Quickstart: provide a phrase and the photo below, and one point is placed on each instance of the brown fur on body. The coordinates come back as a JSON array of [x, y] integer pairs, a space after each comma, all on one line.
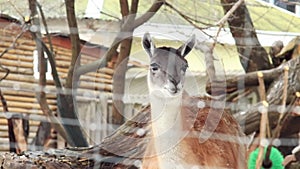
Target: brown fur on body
[[223, 149]]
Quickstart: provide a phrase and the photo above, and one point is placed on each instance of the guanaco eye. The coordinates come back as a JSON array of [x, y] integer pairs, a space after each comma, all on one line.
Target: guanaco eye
[[184, 68], [154, 67]]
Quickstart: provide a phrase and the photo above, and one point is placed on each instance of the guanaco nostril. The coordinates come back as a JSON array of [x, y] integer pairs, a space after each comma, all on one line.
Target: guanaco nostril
[[173, 90], [173, 81]]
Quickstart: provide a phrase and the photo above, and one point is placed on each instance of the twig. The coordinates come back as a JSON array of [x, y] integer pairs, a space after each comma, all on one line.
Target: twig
[[216, 37], [244, 94], [6, 72], [222, 21], [17, 10], [149, 13], [187, 18], [12, 46], [229, 13], [46, 27], [3, 102], [104, 13], [219, 23]]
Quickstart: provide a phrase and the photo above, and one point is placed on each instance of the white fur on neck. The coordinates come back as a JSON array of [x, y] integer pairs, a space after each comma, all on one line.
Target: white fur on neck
[[165, 108], [165, 112], [166, 123]]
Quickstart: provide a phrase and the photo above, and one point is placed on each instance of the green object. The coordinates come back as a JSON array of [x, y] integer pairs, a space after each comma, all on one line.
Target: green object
[[275, 156]]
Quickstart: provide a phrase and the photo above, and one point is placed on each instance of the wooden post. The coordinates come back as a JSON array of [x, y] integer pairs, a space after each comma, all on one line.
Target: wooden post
[[285, 78], [263, 121]]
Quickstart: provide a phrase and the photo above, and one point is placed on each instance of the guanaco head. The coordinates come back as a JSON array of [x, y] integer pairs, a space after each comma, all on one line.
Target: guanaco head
[[167, 66]]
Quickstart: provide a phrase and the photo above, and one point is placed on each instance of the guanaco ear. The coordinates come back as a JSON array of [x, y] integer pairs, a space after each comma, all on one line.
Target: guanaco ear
[[184, 49], [148, 44]]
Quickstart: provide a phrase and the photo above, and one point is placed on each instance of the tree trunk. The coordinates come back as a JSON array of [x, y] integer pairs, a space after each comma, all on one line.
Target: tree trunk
[[248, 80], [251, 118], [75, 41], [252, 55], [42, 68], [67, 99], [122, 61]]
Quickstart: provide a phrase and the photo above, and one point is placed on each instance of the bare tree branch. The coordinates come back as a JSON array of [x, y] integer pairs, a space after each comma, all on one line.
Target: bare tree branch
[[149, 13], [45, 25], [124, 8], [229, 13], [104, 13], [189, 20], [112, 51]]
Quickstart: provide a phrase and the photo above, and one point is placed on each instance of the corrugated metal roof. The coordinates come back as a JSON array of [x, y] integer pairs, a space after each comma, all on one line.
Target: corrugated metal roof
[[264, 16]]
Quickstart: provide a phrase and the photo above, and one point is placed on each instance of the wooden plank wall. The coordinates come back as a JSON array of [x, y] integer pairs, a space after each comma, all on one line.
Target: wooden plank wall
[[19, 87], [94, 117]]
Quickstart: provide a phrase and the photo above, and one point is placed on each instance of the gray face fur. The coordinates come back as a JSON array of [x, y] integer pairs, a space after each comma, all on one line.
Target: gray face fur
[[167, 66]]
